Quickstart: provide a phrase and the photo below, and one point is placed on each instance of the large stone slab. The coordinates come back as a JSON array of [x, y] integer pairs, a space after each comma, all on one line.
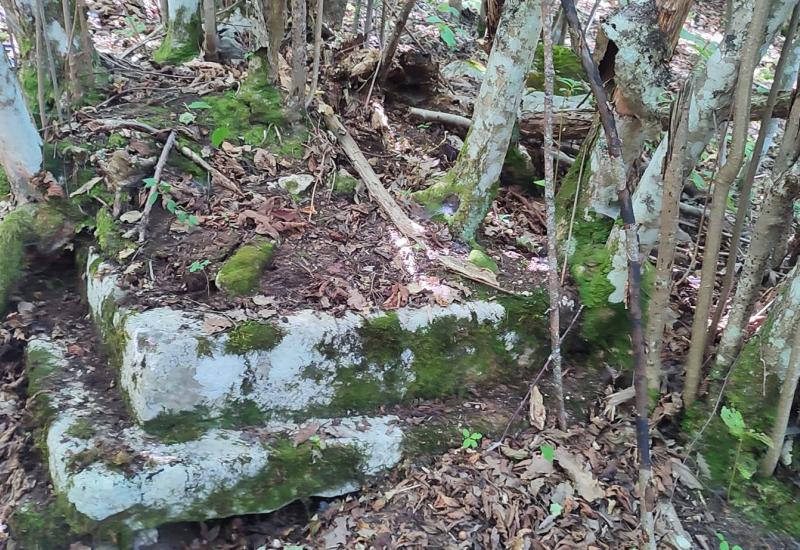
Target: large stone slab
[[113, 478], [308, 364]]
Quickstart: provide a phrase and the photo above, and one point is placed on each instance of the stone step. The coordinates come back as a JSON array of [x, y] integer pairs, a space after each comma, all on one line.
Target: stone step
[[176, 377], [112, 479]]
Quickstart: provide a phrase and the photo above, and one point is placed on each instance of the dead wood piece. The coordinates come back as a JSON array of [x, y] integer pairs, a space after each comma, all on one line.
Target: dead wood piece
[[398, 217], [153, 194]]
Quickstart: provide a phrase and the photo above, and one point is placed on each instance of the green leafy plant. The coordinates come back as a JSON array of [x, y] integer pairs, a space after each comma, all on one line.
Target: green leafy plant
[[548, 452], [447, 32], [186, 117], [703, 47], [471, 439], [198, 265], [555, 509], [198, 105], [172, 207], [737, 428], [134, 26], [219, 135], [725, 545]]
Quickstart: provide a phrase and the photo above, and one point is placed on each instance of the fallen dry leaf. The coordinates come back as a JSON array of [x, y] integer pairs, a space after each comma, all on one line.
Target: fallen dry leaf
[[585, 483], [537, 414]]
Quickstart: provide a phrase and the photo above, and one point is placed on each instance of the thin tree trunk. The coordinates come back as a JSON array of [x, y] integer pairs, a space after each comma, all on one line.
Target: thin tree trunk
[[357, 17], [712, 94], [394, 40], [474, 177], [662, 283], [20, 150], [164, 8], [368, 20], [775, 214], [384, 12], [317, 51], [719, 204], [299, 72], [210, 28], [785, 402], [554, 286], [275, 13], [634, 267], [747, 184]]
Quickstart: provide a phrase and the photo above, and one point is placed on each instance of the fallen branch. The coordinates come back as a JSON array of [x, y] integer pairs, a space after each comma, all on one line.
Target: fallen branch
[[152, 196], [398, 217], [111, 124], [576, 123]]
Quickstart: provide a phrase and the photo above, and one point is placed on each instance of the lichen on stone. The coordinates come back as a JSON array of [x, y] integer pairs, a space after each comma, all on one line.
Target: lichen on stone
[[241, 273]]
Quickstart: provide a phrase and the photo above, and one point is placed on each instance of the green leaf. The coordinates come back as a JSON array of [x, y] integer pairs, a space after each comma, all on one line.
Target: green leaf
[[193, 220], [548, 452], [477, 436], [171, 205], [540, 183], [434, 19], [149, 182], [186, 118], [465, 432], [745, 472], [151, 200], [181, 215], [760, 437], [199, 105], [219, 135], [555, 509], [447, 8], [448, 36], [734, 421]]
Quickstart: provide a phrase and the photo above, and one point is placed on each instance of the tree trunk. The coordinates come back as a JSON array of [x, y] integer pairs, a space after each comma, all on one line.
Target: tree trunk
[[474, 178], [210, 28], [66, 49], [184, 32], [394, 40], [299, 72], [20, 144], [713, 89]]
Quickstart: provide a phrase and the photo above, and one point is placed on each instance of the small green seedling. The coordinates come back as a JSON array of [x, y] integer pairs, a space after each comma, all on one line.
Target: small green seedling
[[219, 135], [198, 265], [198, 105], [725, 545], [736, 427], [162, 188], [555, 509], [471, 439], [548, 452]]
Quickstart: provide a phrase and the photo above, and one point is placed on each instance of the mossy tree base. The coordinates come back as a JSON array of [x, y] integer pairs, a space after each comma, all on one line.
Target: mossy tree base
[[183, 38]]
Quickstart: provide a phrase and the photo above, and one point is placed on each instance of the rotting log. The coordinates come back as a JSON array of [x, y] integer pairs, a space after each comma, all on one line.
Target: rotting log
[[576, 123]]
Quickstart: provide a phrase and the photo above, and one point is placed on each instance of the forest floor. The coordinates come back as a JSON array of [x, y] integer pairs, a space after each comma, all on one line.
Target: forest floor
[[339, 253]]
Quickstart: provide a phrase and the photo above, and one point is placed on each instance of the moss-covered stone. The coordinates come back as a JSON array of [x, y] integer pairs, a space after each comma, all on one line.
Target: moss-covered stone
[[483, 260], [28, 225], [445, 357], [255, 114], [108, 235], [253, 336], [39, 526], [240, 275], [344, 184], [116, 141]]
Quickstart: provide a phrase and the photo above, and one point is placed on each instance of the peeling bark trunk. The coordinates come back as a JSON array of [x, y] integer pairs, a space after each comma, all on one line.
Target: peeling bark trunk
[[20, 144], [474, 178], [775, 214], [713, 89]]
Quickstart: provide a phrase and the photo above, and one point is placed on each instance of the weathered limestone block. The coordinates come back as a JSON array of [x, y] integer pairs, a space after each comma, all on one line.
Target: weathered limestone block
[[112, 478], [175, 375]]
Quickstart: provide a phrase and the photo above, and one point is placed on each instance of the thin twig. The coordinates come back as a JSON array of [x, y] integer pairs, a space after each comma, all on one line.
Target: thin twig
[[152, 196]]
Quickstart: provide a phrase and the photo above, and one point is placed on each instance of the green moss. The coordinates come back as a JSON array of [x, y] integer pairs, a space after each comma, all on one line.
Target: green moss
[[39, 526], [446, 357], [83, 428], [108, 235], [240, 275], [344, 184], [518, 169], [253, 336], [182, 41], [116, 141], [204, 347], [569, 73], [30, 224], [5, 186], [483, 260]]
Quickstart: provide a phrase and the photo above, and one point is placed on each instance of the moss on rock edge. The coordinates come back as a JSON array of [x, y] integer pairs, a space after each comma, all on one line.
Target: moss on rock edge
[[241, 273]]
